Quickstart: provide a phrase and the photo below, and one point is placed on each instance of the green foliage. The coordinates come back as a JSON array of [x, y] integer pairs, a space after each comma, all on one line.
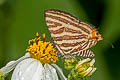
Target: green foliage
[[21, 19]]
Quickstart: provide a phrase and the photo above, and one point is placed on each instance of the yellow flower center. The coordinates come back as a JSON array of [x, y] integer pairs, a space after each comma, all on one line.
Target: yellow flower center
[[41, 50]]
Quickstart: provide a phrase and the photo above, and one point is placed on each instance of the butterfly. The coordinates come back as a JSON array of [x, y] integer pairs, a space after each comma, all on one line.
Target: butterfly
[[71, 36]]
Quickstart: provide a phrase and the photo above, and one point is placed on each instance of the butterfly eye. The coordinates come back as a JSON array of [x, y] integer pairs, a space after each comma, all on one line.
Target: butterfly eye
[[96, 37], [97, 33]]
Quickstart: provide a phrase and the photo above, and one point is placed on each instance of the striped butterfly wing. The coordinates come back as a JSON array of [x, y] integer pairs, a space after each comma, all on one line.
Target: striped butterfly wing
[[69, 34]]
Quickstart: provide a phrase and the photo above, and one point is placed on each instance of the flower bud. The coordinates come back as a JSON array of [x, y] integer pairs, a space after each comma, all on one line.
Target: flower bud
[[70, 63], [1, 75], [84, 68]]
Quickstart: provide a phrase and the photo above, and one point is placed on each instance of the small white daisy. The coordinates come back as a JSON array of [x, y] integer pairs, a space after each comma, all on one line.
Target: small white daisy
[[37, 64]]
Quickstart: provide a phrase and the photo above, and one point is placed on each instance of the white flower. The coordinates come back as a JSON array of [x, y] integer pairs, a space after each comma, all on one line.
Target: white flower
[[32, 69], [27, 68], [37, 64]]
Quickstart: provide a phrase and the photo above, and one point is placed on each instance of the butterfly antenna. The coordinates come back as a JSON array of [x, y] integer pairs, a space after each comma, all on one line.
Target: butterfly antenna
[[109, 43], [98, 28]]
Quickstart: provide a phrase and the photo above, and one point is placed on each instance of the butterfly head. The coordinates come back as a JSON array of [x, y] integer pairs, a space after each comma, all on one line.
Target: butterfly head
[[95, 35]]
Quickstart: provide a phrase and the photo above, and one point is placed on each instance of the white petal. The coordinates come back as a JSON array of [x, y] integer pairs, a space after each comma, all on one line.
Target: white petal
[[92, 62], [84, 61], [50, 73], [28, 69], [59, 71], [93, 70], [11, 65], [87, 71]]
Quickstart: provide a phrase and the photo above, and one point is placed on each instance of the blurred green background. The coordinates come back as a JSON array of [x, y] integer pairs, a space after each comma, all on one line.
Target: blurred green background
[[21, 19]]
